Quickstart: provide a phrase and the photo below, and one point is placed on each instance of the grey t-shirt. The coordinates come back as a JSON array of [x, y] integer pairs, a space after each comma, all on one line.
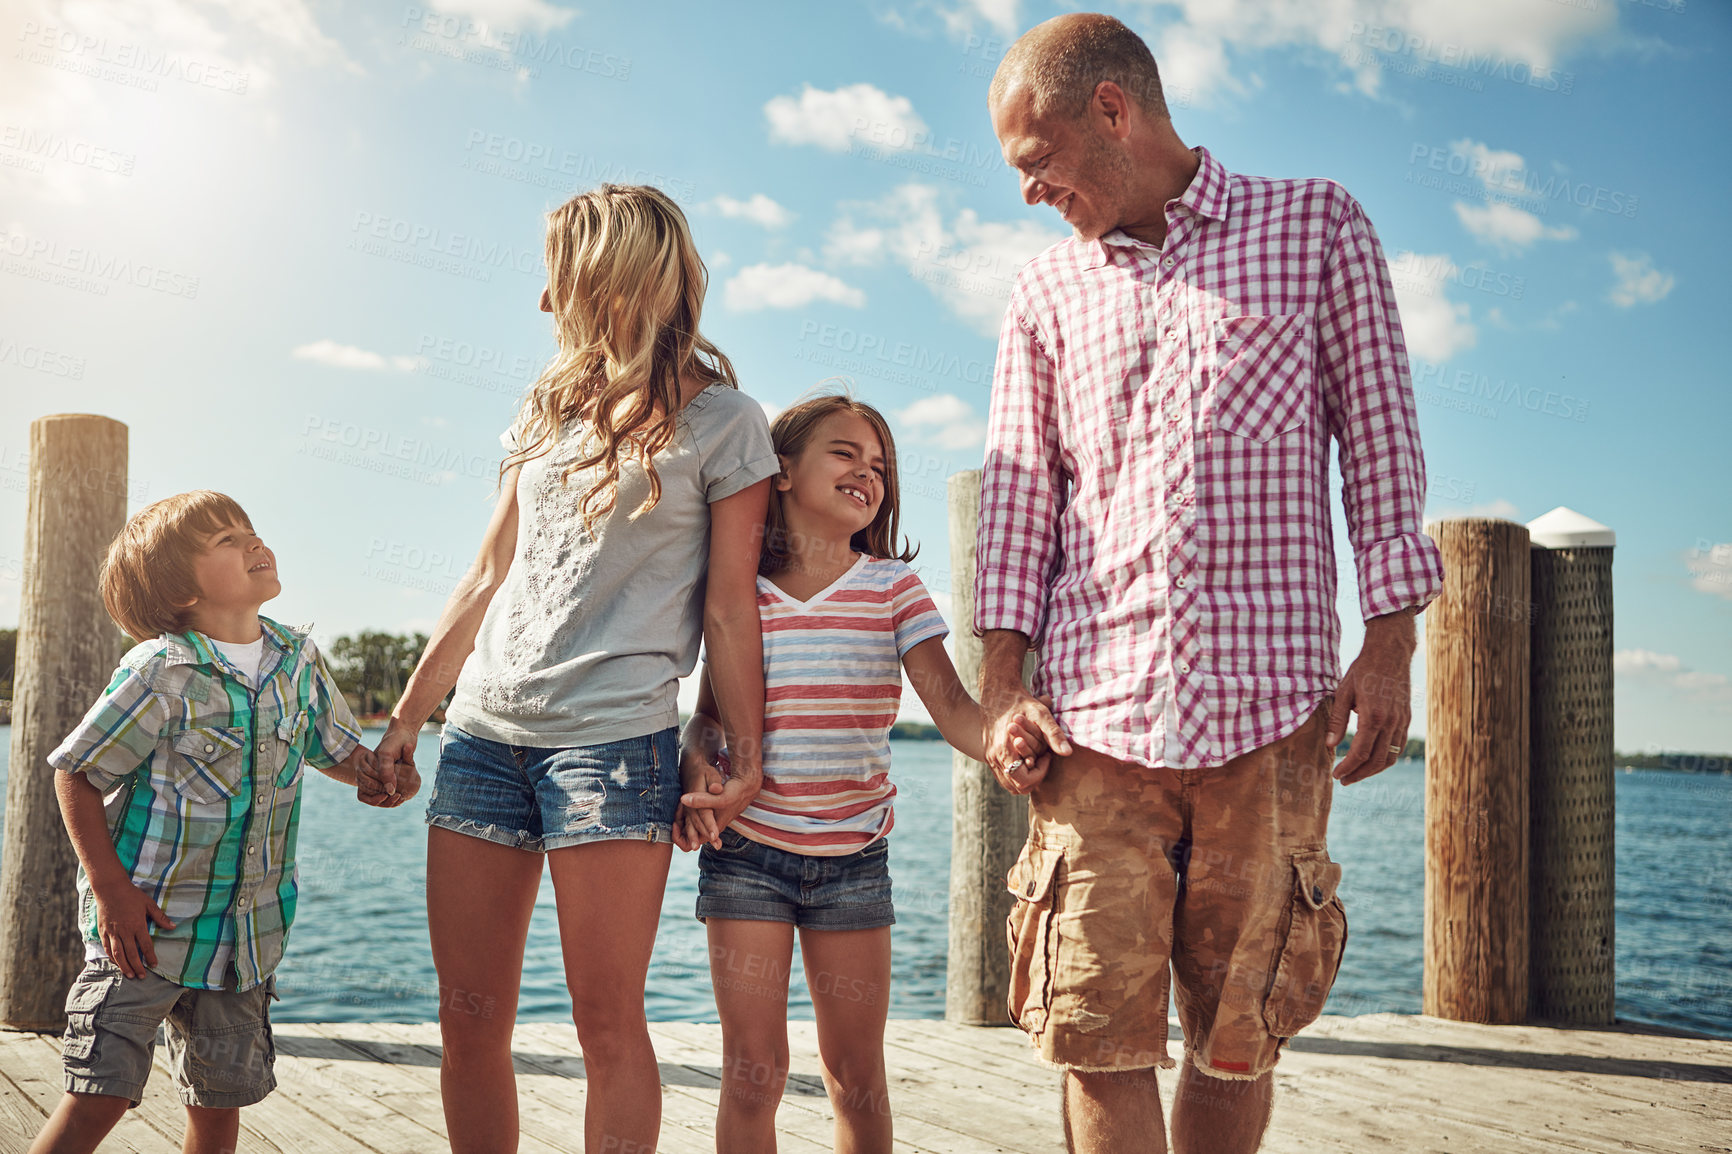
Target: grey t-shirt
[[585, 641]]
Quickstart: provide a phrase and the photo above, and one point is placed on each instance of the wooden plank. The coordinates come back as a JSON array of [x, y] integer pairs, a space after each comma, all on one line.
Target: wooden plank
[[349, 1091], [30, 1064], [546, 1122]]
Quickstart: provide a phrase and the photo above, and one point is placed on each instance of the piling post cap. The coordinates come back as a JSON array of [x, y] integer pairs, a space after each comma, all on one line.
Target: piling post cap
[[1564, 528]]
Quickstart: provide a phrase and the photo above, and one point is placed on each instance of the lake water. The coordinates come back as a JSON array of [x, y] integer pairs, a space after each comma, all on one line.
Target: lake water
[[359, 947]]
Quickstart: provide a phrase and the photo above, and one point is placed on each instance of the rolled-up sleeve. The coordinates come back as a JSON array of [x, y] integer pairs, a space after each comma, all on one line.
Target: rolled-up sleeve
[[1368, 399], [335, 733], [1022, 486], [117, 735]]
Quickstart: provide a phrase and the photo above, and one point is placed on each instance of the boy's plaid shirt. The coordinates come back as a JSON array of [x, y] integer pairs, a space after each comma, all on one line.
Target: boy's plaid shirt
[[202, 782], [1154, 511]]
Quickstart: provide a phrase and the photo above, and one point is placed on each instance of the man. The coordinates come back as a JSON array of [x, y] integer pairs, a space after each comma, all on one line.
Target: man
[[1155, 518]]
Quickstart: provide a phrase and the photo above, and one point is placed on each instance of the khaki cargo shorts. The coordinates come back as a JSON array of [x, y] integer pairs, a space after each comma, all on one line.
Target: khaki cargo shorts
[[1222, 873], [219, 1041]]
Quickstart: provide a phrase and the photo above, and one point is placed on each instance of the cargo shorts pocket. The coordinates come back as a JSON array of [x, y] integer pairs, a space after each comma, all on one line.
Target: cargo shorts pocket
[[82, 1001], [1032, 933], [1311, 949]]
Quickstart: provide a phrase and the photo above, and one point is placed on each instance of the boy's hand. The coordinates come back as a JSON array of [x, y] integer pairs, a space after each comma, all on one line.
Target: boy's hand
[[395, 751], [377, 787], [123, 916]]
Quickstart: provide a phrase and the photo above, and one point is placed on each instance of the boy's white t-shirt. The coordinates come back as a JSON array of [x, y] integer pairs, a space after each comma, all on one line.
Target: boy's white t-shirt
[[245, 658]]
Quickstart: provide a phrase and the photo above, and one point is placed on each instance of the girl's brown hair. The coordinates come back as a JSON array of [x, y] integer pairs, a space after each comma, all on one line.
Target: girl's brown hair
[[791, 432], [147, 578], [626, 287]]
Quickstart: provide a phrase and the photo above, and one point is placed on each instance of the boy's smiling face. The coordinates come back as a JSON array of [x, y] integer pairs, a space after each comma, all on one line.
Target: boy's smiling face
[[235, 574]]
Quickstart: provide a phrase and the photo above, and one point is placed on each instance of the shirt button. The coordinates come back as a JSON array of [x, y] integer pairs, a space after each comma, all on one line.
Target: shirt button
[[253, 848], [210, 749], [261, 746], [1179, 581], [1169, 262], [1183, 668]]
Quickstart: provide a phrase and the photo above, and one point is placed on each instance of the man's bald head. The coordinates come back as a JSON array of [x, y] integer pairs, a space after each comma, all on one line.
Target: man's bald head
[[1062, 61]]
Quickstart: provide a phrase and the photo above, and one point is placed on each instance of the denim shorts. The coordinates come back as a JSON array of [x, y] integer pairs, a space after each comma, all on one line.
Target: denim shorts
[[750, 881], [536, 798]]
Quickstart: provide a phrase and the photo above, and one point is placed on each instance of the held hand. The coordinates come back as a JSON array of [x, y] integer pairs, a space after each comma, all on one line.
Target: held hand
[[1378, 687], [392, 769], [1021, 737], [696, 827], [725, 804], [123, 917]]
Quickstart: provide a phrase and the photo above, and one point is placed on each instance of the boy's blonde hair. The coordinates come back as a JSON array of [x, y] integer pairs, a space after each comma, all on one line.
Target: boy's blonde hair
[[791, 432], [626, 287], [147, 577]]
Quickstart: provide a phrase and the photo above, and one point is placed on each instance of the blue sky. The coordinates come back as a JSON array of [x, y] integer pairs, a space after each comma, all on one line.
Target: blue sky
[[295, 246]]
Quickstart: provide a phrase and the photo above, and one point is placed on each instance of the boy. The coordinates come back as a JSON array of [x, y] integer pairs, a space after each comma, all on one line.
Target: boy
[[181, 791]]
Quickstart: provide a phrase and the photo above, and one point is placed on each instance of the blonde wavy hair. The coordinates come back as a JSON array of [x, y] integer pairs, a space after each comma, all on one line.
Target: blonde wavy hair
[[626, 286]]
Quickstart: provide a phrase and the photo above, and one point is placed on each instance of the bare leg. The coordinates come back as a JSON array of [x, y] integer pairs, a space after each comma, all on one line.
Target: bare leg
[[749, 964], [610, 900], [1113, 1112], [848, 972], [1220, 1115], [212, 1130], [479, 898], [79, 1123]]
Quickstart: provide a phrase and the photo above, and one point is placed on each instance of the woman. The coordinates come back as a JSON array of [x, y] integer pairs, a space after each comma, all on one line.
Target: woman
[[633, 496]]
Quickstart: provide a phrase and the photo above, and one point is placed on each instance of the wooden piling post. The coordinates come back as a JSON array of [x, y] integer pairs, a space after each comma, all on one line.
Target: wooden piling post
[[1476, 774], [67, 648], [1572, 870], [989, 824]]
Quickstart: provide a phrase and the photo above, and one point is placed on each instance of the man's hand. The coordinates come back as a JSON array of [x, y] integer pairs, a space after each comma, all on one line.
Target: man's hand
[[1021, 737], [123, 917], [1378, 687]]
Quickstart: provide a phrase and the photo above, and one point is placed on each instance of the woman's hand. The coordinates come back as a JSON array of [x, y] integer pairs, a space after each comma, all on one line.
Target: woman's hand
[[694, 827], [393, 770]]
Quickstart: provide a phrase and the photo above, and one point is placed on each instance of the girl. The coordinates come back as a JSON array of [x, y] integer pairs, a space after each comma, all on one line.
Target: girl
[[634, 492], [842, 615]]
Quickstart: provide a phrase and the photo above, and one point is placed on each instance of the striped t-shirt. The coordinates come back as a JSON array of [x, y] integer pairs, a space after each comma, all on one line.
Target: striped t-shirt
[[832, 685]]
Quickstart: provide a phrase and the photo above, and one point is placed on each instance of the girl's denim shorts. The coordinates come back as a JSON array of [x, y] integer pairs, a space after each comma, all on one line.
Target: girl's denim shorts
[[750, 881], [535, 798]]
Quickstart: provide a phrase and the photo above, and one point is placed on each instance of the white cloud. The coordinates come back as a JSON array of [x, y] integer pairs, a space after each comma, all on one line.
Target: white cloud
[[1436, 327], [759, 209], [1665, 669], [1710, 567], [329, 352], [510, 15], [945, 420], [969, 263], [1497, 507], [786, 286], [1500, 170], [1640, 661], [1202, 45], [1002, 16], [1639, 282], [832, 120], [1507, 228]]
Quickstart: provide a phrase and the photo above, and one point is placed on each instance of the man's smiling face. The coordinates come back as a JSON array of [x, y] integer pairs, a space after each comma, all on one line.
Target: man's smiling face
[[1069, 163]]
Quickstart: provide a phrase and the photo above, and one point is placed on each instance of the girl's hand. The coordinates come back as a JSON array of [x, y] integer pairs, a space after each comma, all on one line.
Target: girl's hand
[[722, 805], [697, 826]]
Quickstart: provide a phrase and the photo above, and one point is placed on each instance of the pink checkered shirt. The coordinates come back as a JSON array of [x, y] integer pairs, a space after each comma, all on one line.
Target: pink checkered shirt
[[1154, 511]]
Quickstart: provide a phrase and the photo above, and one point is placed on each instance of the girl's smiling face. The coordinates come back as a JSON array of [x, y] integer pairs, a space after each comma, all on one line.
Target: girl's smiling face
[[839, 475]]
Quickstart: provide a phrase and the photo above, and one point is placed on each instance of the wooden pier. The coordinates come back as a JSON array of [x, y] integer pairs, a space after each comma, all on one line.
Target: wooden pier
[[1381, 1082]]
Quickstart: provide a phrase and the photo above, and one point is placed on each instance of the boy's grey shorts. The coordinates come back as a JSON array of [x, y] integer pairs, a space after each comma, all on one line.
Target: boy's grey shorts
[[219, 1041]]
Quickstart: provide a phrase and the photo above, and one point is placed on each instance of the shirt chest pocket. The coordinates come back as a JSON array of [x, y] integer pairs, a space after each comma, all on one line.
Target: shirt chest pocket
[[207, 764], [1264, 370], [291, 744]]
